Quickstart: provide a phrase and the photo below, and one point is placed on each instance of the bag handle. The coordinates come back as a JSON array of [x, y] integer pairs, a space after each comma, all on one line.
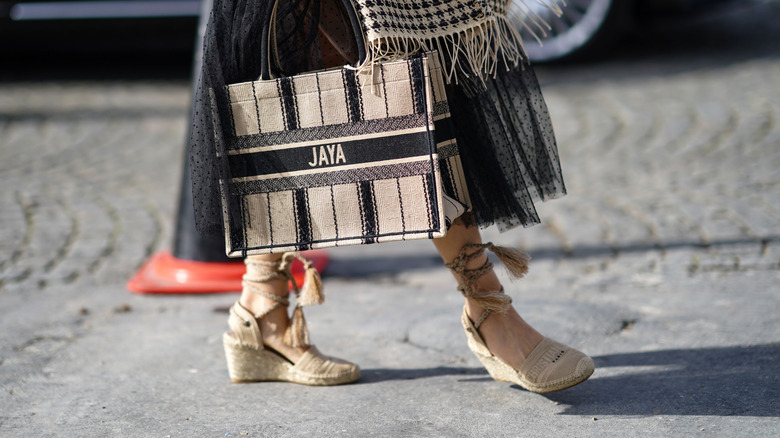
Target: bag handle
[[269, 30]]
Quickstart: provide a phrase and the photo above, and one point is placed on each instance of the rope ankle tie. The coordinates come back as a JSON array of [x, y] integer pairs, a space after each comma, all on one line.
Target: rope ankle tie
[[310, 293], [516, 263]]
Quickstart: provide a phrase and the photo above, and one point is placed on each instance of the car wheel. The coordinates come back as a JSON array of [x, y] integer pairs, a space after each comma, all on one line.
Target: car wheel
[[586, 28]]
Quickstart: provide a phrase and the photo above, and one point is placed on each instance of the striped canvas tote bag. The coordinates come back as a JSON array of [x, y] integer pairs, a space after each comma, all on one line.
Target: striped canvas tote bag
[[341, 157]]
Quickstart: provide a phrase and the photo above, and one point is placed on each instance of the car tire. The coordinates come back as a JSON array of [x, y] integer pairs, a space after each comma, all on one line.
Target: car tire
[[587, 28]]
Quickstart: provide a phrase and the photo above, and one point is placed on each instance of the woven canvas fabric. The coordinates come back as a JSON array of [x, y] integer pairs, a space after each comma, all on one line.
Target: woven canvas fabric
[[339, 158]]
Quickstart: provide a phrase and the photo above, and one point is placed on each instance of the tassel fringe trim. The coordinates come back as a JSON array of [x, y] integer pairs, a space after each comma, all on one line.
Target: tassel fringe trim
[[310, 293], [468, 56]]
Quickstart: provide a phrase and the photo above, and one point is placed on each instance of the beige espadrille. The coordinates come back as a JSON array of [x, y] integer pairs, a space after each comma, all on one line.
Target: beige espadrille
[[551, 366], [249, 360]]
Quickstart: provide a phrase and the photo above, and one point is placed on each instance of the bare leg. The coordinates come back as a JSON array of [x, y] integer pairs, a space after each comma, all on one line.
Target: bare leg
[[507, 335], [274, 324]]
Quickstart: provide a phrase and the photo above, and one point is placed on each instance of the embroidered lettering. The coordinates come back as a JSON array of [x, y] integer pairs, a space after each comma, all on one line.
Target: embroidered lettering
[[331, 149], [313, 162], [323, 157], [340, 158], [327, 155]]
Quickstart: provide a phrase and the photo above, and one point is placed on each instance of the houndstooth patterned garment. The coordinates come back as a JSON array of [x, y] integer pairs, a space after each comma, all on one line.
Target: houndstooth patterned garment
[[419, 19], [473, 37]]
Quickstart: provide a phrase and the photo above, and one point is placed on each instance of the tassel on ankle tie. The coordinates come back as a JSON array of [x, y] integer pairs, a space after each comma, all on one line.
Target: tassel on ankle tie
[[310, 293], [515, 261]]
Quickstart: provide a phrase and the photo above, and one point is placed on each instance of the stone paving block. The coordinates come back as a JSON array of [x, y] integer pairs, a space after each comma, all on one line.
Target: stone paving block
[[581, 233]]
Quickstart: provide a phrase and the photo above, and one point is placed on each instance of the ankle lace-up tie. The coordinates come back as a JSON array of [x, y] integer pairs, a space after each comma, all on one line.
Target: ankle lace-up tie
[[516, 263], [310, 293]]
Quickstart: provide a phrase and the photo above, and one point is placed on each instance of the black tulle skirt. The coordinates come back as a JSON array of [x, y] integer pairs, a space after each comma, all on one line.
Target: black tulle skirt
[[504, 133]]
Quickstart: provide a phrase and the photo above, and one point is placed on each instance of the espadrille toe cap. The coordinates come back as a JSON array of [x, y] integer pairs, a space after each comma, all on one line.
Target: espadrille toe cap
[[550, 367], [314, 368], [553, 366]]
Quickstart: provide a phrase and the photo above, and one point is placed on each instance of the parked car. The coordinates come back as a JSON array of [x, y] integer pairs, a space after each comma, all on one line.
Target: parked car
[[590, 27], [26, 10], [97, 26]]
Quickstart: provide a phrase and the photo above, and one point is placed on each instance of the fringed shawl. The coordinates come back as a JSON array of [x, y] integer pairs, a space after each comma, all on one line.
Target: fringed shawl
[[473, 37]]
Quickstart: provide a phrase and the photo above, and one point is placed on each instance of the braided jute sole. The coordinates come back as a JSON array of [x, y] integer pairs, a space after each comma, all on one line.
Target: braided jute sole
[[550, 367], [249, 364]]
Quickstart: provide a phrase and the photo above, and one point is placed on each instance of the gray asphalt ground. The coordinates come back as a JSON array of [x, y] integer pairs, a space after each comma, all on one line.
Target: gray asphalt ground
[[663, 263]]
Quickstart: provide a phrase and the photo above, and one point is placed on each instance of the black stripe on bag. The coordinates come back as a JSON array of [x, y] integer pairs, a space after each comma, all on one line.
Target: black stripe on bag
[[435, 98], [401, 203], [333, 207], [270, 220], [329, 157], [234, 225], [257, 108], [384, 89], [319, 99], [302, 219], [287, 92], [433, 212], [237, 229], [353, 95], [444, 130], [417, 83], [446, 179], [229, 107], [368, 210], [323, 133], [350, 176]]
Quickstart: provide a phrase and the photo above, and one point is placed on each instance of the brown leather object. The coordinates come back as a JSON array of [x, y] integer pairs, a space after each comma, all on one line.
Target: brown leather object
[[337, 40]]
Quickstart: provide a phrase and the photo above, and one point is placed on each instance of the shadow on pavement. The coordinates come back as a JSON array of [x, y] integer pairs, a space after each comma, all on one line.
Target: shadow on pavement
[[368, 266], [387, 374], [585, 251], [728, 381], [360, 267]]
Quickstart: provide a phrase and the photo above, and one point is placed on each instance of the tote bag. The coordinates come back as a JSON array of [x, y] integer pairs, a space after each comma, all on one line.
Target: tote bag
[[340, 157]]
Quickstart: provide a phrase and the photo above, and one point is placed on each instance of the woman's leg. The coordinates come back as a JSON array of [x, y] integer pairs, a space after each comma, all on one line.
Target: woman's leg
[[506, 334], [273, 324]]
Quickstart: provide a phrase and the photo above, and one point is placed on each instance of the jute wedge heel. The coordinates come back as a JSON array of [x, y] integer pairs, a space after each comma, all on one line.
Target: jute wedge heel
[[551, 366], [249, 360]]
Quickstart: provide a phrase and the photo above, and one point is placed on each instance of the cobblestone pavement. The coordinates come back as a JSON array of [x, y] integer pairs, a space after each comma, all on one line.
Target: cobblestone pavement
[[665, 256]]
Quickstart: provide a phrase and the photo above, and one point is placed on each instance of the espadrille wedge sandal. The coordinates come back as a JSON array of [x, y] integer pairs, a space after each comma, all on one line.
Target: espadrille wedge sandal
[[249, 360], [551, 366]]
